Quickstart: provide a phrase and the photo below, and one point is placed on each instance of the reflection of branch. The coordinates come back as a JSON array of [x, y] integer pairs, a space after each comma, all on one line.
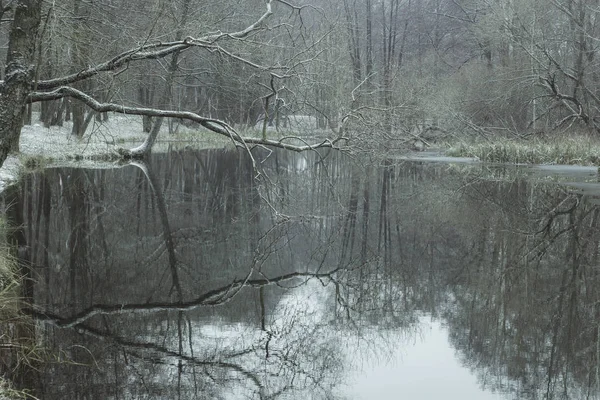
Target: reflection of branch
[[169, 353], [556, 211], [213, 297]]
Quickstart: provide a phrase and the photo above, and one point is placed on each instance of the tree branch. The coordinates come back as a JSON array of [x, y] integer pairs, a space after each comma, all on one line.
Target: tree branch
[[212, 124], [156, 51]]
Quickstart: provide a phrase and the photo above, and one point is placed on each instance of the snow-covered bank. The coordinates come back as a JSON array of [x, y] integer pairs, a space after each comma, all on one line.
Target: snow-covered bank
[[58, 144], [101, 139]]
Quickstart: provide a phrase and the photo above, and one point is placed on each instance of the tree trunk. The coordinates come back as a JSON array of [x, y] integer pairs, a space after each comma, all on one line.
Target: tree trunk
[[27, 117], [145, 100], [80, 58], [369, 39], [78, 111], [390, 41], [145, 148], [18, 73], [354, 42]]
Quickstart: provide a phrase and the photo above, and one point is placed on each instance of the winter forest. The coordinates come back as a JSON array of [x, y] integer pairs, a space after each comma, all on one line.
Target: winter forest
[[300, 199], [373, 71]]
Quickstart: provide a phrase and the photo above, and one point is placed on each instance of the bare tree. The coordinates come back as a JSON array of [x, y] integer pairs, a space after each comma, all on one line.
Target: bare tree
[[17, 88], [17, 84]]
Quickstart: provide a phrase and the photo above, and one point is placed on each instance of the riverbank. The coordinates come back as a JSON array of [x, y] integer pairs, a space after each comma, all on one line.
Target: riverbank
[[18, 350], [572, 149], [456, 174], [40, 146]]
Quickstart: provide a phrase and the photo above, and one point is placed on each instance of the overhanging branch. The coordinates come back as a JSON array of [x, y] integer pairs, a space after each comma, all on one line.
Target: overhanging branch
[[157, 51], [212, 124]]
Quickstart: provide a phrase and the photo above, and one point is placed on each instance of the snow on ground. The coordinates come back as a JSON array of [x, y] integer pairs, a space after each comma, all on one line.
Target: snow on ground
[[58, 144], [100, 138]]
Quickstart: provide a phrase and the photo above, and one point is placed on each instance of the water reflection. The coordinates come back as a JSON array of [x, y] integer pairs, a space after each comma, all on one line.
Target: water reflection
[[198, 275], [421, 367]]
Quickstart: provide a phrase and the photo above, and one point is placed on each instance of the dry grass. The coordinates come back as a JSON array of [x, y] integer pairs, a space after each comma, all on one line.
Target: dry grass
[[567, 150], [7, 392], [9, 282], [18, 349]]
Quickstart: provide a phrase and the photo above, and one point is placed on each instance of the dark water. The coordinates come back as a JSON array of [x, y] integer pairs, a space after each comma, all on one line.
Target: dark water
[[199, 275]]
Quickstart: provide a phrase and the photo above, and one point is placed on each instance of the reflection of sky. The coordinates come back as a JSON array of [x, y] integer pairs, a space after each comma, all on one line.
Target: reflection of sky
[[425, 368]]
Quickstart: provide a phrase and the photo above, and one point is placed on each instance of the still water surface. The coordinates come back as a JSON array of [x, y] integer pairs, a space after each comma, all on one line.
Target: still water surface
[[201, 275]]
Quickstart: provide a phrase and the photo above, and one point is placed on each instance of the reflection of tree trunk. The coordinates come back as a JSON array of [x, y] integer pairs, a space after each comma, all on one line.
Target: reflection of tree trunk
[[158, 352], [349, 230], [75, 197], [164, 220], [566, 313], [180, 339], [558, 316], [173, 266], [97, 192], [384, 223], [46, 206], [263, 319], [364, 282], [212, 297], [573, 318], [385, 243]]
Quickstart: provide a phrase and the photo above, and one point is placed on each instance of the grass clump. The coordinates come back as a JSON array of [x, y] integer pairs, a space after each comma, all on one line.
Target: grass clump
[[9, 279], [7, 392], [19, 352], [576, 150], [35, 162], [9, 316]]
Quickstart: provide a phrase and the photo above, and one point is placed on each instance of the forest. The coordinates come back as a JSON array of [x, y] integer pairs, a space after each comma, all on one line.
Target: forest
[[313, 256], [369, 74]]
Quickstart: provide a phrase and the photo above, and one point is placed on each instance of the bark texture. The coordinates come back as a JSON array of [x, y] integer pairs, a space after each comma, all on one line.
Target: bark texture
[[18, 81]]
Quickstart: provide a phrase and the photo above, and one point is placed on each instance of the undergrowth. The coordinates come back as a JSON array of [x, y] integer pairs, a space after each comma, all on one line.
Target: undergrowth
[[34, 162], [576, 150], [18, 348]]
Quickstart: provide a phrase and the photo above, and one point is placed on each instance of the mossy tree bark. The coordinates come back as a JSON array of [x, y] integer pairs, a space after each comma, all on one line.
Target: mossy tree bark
[[17, 84]]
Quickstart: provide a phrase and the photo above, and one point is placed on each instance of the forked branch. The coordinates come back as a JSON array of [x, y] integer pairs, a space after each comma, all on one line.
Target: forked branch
[[158, 50]]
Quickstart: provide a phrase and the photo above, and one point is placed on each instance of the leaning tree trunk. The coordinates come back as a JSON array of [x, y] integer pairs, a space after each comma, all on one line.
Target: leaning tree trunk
[[18, 74], [167, 97]]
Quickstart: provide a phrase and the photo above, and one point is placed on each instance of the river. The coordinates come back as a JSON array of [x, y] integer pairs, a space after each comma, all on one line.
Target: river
[[214, 275]]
